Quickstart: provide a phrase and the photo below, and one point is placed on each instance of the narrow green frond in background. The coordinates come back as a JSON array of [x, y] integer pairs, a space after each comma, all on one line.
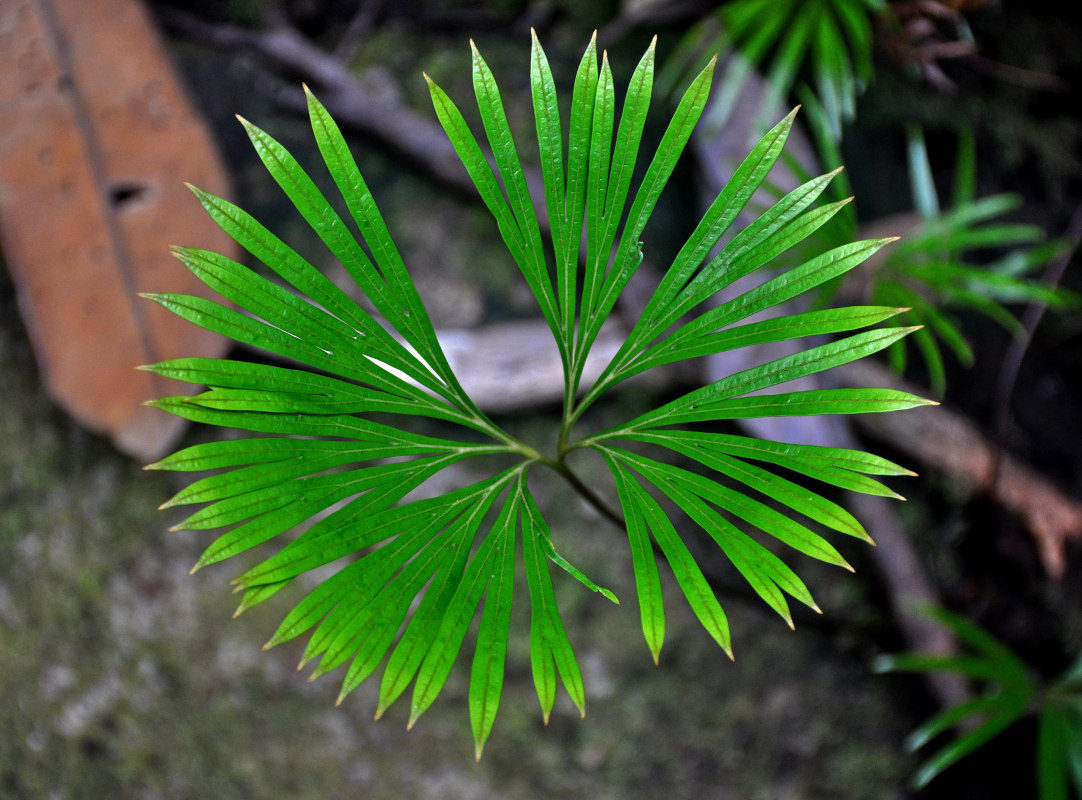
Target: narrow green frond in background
[[1009, 691], [826, 43], [960, 259]]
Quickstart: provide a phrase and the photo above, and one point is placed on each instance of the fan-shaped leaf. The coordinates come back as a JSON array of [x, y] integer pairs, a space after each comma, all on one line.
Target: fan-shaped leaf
[[341, 486]]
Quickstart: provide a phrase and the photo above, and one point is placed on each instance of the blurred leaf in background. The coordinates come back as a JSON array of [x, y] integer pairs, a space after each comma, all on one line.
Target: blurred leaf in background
[[1010, 692], [964, 259], [961, 259], [828, 43]]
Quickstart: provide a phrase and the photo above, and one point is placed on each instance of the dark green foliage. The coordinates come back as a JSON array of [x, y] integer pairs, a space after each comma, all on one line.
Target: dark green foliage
[[828, 43], [961, 259], [1009, 692], [414, 572]]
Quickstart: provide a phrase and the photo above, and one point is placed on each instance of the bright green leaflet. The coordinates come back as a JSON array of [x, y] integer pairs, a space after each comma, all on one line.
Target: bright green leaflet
[[413, 574]]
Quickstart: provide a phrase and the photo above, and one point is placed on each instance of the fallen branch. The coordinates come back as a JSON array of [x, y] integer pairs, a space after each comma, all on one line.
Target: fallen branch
[[366, 103], [946, 440]]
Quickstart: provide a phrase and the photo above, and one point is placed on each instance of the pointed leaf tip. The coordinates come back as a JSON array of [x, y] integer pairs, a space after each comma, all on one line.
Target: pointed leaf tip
[[882, 663], [788, 118], [924, 776]]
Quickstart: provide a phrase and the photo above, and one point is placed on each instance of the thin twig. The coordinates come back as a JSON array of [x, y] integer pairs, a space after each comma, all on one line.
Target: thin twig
[[357, 30], [1016, 350], [360, 103], [587, 493]]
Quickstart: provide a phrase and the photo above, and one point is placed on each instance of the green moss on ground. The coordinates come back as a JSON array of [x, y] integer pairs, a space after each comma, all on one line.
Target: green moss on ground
[[124, 677]]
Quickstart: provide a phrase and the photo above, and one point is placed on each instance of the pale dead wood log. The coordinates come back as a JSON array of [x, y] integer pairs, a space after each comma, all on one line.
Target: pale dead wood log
[[514, 365]]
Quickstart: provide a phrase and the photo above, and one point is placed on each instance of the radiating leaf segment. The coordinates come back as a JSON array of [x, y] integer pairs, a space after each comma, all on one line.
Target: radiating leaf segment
[[416, 570]]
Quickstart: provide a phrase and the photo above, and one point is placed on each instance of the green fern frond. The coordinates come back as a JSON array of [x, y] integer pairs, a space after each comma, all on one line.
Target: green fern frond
[[337, 483], [961, 259], [1009, 691], [826, 43]]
